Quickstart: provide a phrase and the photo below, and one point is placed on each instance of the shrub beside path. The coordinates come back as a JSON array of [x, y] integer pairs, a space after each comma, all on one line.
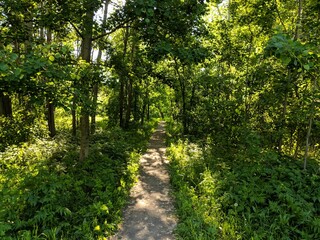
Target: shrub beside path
[[150, 213]]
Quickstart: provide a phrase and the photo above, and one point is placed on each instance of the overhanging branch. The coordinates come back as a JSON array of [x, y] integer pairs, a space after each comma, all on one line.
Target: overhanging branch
[[77, 30], [110, 32]]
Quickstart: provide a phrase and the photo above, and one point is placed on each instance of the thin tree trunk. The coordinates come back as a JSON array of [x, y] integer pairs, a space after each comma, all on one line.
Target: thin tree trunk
[[95, 89], [296, 151], [5, 105], [282, 124], [148, 110], [129, 104], [143, 113], [144, 107], [307, 144], [291, 141], [51, 119], [86, 56], [183, 96], [306, 154], [121, 102], [50, 105], [74, 115], [299, 21], [136, 111], [284, 113], [123, 78]]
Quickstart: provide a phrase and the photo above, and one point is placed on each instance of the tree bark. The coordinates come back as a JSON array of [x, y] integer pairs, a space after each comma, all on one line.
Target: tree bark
[[306, 154], [51, 119], [183, 98], [299, 21], [50, 105], [129, 103], [95, 89], [123, 78], [74, 115], [86, 56], [5, 105]]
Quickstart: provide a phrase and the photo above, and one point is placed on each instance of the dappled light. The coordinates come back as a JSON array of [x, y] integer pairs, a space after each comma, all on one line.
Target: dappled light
[[150, 214], [230, 89]]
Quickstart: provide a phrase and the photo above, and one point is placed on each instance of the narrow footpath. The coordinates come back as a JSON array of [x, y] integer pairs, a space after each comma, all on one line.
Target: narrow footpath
[[150, 213]]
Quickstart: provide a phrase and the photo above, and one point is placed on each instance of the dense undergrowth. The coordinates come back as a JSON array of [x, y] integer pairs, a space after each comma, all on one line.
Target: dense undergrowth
[[46, 193], [243, 193]]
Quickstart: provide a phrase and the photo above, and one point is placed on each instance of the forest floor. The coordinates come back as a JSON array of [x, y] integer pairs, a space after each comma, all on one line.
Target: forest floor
[[150, 213]]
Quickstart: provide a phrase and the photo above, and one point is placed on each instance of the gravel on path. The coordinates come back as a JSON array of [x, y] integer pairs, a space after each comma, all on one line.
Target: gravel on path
[[150, 213]]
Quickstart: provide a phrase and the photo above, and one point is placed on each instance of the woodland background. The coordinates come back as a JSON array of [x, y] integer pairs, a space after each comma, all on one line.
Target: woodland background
[[83, 84]]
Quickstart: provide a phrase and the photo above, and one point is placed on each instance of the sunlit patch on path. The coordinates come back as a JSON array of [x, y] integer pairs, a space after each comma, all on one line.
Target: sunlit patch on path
[[150, 214]]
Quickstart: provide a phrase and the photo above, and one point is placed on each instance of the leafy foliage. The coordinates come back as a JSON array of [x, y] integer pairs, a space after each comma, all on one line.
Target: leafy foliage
[[257, 195], [49, 194]]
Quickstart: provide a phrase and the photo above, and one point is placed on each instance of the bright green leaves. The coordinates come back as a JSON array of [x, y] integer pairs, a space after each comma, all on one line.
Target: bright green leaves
[[292, 53], [9, 70], [39, 73], [51, 58], [74, 76]]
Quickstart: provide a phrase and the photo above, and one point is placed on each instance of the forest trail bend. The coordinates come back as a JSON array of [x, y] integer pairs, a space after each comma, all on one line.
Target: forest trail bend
[[150, 213]]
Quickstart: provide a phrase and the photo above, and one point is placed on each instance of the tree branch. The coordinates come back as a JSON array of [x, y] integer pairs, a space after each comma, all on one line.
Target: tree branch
[[111, 31], [279, 16], [77, 30]]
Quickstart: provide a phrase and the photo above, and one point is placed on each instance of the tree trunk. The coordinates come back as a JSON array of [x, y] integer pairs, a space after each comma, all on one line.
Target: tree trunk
[[129, 103], [51, 119], [95, 89], [307, 144], [296, 151], [183, 98], [136, 112], [284, 112], [50, 105], [143, 113], [123, 78], [148, 110], [74, 115], [5, 105], [299, 21], [86, 56], [314, 84], [121, 102]]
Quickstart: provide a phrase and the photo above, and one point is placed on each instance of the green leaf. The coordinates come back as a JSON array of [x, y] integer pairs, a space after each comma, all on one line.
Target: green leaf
[[14, 57], [286, 60], [306, 67], [73, 76], [3, 67], [51, 58]]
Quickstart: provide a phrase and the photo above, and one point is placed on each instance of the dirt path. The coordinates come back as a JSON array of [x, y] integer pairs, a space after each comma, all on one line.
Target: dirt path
[[150, 214]]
